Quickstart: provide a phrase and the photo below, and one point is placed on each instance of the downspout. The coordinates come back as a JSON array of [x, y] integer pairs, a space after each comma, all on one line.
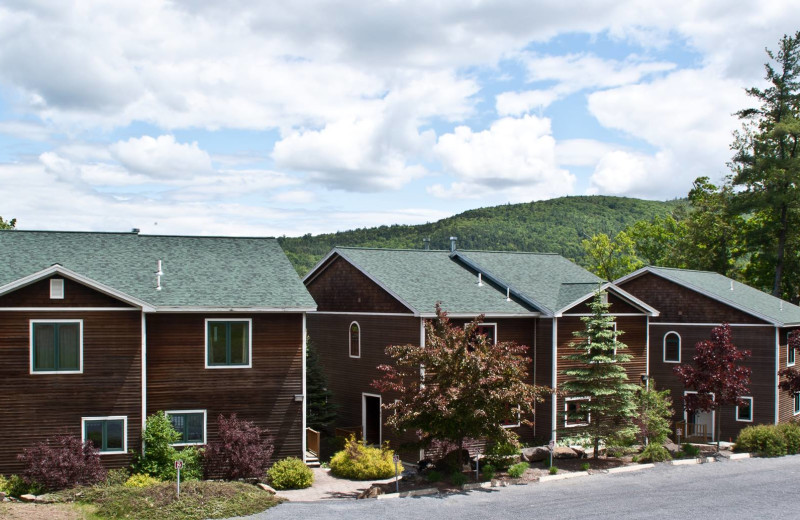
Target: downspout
[[422, 369], [144, 377], [777, 368], [554, 411], [305, 395], [647, 352], [535, 328]]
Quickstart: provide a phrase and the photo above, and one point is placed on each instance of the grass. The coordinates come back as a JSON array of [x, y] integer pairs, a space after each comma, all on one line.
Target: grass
[[199, 500]]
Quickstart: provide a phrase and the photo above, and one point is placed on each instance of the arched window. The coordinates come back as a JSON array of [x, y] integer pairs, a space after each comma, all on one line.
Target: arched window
[[672, 347], [355, 340]]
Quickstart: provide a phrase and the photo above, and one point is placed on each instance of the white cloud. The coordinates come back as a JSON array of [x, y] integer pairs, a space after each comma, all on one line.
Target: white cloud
[[518, 103], [514, 156], [581, 152], [295, 197], [162, 157]]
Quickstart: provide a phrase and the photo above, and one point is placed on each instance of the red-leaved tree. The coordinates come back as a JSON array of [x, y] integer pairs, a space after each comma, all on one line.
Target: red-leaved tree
[[790, 376], [471, 386], [62, 462], [715, 375], [242, 450]]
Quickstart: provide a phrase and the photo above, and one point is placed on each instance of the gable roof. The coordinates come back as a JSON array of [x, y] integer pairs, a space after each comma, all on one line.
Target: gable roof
[[199, 273], [729, 292]]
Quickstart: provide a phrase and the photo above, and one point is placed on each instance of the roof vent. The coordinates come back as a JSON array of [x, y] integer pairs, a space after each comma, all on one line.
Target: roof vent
[[453, 243], [508, 294], [480, 279], [159, 274], [427, 242], [731, 285], [135, 230]]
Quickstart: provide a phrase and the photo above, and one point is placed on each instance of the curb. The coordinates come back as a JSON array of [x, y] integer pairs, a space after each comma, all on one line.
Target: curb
[[413, 493], [700, 460], [563, 476], [739, 456], [626, 469]]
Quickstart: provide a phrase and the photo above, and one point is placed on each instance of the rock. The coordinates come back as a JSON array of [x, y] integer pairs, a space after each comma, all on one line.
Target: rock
[[563, 452], [268, 489], [536, 454], [580, 451], [671, 447], [371, 492], [28, 498], [46, 499]]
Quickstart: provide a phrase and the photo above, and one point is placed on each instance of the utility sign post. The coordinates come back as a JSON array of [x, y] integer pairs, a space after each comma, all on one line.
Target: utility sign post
[[178, 466], [396, 459]]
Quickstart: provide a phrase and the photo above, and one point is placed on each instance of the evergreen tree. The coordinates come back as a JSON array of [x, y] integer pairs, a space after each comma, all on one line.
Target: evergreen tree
[[597, 374], [8, 224], [320, 409]]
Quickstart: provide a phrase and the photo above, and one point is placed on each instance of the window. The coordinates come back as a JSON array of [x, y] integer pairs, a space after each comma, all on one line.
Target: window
[[107, 434], [355, 340], [57, 346], [515, 420], [228, 343], [489, 330], [790, 355], [672, 347], [575, 413], [191, 424], [56, 288], [744, 412], [797, 403]]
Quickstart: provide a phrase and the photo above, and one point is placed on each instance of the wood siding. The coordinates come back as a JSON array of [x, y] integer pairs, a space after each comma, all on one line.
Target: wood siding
[[40, 406], [178, 380], [76, 294], [786, 399], [343, 288]]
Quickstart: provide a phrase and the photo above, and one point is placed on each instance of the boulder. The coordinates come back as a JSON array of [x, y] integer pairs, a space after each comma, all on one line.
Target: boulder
[[564, 452], [671, 447], [536, 454], [371, 492], [28, 498], [580, 451], [265, 487]]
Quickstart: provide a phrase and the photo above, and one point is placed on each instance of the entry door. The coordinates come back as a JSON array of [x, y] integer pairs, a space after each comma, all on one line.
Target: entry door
[[371, 418]]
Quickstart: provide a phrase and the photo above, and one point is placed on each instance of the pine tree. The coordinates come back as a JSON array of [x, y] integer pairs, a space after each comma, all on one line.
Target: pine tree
[[597, 375], [320, 409]]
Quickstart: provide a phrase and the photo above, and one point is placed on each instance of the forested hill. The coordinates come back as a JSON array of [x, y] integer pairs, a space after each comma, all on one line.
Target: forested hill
[[550, 226]]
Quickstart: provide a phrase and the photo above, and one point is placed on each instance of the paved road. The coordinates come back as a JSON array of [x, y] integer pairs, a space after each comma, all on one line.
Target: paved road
[[744, 489]]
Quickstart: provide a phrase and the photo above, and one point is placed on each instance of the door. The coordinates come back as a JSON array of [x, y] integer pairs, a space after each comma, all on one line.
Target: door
[[371, 418], [701, 420]]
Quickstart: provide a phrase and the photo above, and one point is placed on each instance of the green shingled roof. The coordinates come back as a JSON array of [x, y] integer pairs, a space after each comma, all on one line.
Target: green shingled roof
[[421, 278], [742, 296], [210, 272]]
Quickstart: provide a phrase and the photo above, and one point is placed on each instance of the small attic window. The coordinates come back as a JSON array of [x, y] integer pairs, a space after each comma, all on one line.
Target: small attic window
[[56, 288]]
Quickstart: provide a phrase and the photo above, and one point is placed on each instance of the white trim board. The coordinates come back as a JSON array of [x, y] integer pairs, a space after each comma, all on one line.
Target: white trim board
[[205, 426], [249, 343], [123, 418]]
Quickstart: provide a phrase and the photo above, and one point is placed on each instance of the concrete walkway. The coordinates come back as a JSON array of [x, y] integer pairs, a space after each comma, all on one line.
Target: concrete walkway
[[328, 487]]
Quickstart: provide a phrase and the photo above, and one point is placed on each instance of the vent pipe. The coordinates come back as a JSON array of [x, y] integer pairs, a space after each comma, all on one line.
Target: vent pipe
[[480, 279], [135, 230], [159, 274], [731, 285], [508, 294], [427, 242], [453, 243]]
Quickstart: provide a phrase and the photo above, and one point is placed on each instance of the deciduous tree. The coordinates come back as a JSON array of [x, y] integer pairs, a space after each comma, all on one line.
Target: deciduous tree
[[8, 224], [609, 259], [471, 385], [598, 375], [715, 375]]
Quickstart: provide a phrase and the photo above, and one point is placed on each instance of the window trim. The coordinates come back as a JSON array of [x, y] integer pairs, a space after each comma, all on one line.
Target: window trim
[[249, 342], [80, 346], [519, 419], [57, 288], [588, 414], [751, 410], [490, 324], [791, 354], [664, 347], [205, 425], [350, 339], [796, 403], [123, 418]]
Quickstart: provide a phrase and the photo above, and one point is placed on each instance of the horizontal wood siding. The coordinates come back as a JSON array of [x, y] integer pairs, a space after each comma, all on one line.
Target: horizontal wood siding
[[76, 294], [786, 399], [759, 340], [178, 380], [677, 304], [343, 288], [37, 407], [544, 377]]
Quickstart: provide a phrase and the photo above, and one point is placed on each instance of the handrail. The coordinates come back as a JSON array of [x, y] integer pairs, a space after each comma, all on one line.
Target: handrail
[[313, 441]]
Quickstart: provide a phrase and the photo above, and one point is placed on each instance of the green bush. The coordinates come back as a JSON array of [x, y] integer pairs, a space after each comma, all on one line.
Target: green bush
[[585, 466], [458, 478], [487, 472], [117, 477], [518, 469], [290, 473], [434, 476], [553, 470], [764, 440], [140, 480], [791, 434], [160, 455], [501, 455], [690, 450], [654, 452], [15, 486], [360, 462]]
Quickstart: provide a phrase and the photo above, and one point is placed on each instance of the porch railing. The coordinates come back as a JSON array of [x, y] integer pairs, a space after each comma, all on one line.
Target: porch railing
[[692, 431], [312, 441]]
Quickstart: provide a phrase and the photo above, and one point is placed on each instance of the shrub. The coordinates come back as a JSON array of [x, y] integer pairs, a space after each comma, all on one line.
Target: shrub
[[290, 473], [501, 455], [243, 450], [458, 478], [585, 466], [553, 470], [434, 476], [140, 480], [791, 434], [690, 450], [654, 452], [117, 476], [487, 472], [62, 463], [765, 440], [160, 455], [15, 486], [452, 461], [518, 469], [360, 462]]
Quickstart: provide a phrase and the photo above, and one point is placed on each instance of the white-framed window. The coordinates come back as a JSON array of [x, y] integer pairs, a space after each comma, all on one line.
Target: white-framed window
[[489, 330], [354, 341], [744, 413], [797, 403], [228, 343], [672, 347], [108, 434], [191, 424], [515, 422], [56, 288], [790, 355], [56, 346], [575, 413]]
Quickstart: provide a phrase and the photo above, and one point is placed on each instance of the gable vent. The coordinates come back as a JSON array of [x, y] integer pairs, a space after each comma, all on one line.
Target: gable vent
[[56, 288]]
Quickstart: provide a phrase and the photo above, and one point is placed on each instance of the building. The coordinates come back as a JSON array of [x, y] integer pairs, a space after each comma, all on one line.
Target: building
[[99, 330]]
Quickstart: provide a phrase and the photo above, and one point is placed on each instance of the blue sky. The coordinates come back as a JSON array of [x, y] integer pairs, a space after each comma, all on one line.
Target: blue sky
[[191, 117]]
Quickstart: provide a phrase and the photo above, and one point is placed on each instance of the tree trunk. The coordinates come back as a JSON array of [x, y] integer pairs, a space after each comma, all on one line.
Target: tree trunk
[[596, 447], [717, 425], [776, 287]]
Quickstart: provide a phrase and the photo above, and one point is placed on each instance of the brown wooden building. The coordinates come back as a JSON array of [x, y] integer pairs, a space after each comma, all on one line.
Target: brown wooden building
[[100, 330], [368, 299], [694, 302]]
